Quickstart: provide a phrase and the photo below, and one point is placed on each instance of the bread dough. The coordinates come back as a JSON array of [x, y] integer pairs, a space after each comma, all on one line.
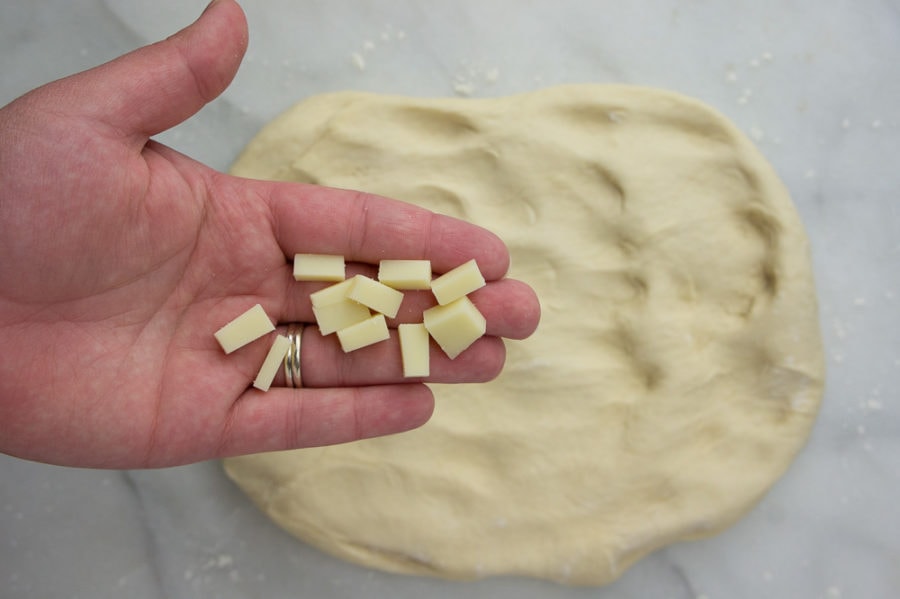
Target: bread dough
[[677, 369]]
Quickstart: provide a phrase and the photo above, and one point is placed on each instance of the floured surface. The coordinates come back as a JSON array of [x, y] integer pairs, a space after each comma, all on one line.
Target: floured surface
[[677, 369]]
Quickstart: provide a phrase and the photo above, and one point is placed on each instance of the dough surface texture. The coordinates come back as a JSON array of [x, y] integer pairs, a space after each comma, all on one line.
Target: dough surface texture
[[677, 369]]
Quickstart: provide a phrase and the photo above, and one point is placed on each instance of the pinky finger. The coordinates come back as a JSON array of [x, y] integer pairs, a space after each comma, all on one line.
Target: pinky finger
[[286, 418]]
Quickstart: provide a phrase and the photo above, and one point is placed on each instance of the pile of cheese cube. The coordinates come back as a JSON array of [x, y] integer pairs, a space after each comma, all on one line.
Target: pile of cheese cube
[[356, 309]]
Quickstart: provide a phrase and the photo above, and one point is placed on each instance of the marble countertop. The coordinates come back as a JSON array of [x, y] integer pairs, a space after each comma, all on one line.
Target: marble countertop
[[816, 85]]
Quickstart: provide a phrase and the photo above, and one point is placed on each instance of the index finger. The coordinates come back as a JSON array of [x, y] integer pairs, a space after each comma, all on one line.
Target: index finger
[[364, 227]]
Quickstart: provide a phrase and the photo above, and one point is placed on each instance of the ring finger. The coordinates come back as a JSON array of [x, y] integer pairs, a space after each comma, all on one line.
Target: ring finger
[[324, 364]]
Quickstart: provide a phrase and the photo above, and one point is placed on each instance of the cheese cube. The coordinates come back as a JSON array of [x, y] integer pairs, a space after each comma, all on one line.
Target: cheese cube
[[339, 315], [375, 295], [318, 267], [372, 330], [249, 326], [272, 362], [454, 284], [331, 294], [414, 349], [405, 274], [455, 326]]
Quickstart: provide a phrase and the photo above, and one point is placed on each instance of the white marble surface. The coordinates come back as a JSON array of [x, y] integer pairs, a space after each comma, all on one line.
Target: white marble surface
[[816, 84]]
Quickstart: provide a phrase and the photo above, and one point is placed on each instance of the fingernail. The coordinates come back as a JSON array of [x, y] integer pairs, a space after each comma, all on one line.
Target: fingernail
[[211, 4]]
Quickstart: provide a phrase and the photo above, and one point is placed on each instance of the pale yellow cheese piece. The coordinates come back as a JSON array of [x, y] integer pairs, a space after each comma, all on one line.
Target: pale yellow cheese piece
[[249, 326], [372, 330], [331, 294], [460, 281], [339, 315], [414, 349], [375, 295], [405, 274], [455, 326], [318, 267], [270, 365]]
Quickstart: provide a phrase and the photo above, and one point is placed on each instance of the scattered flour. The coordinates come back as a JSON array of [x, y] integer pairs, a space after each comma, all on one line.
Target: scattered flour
[[369, 47], [358, 61], [469, 76]]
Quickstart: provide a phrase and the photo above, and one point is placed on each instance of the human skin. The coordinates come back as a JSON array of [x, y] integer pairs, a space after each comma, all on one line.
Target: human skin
[[119, 258]]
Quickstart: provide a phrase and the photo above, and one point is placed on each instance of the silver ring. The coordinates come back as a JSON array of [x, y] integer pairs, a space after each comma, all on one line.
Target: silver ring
[[292, 357]]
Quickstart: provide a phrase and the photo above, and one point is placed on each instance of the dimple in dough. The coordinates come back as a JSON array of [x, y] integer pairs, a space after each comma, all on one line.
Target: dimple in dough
[[677, 369]]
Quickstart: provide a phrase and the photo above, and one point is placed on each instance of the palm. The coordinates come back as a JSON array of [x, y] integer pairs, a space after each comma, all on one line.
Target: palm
[[122, 256], [138, 282]]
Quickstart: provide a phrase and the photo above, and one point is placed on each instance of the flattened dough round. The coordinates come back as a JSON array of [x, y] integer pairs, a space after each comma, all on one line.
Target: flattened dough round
[[677, 369]]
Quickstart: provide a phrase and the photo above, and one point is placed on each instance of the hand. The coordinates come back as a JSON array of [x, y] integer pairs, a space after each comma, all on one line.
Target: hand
[[119, 258]]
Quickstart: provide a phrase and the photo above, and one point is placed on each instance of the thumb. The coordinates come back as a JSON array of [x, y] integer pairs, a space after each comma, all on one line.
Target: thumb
[[158, 86]]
